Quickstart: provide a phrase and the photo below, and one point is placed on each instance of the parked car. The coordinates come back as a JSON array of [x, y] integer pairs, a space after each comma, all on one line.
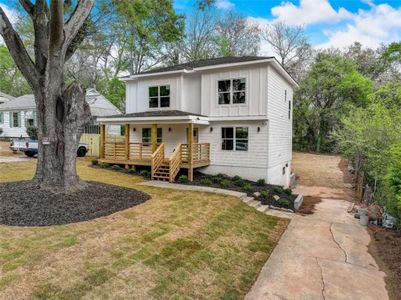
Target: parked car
[[30, 147]]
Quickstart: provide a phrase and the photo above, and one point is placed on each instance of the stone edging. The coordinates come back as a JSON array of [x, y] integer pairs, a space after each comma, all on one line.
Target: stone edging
[[242, 196]]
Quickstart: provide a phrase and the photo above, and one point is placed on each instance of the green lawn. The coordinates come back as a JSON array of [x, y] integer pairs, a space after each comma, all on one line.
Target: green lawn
[[176, 245]]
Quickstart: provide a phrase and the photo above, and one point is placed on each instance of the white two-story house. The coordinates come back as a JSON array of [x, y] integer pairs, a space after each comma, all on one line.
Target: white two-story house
[[230, 115]]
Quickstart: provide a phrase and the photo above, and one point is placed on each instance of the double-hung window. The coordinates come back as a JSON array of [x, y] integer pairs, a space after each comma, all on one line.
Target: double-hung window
[[147, 136], [1, 117], [15, 119], [232, 91], [159, 96], [234, 138]]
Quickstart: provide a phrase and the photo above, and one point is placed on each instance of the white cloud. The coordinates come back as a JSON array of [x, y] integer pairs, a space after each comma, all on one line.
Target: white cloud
[[372, 27], [224, 4], [309, 12]]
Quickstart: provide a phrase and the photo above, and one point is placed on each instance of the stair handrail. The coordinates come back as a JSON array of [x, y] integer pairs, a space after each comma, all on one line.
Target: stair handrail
[[157, 159], [175, 162]]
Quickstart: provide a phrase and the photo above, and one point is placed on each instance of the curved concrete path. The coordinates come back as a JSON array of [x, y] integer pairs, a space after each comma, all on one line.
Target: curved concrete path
[[322, 256]]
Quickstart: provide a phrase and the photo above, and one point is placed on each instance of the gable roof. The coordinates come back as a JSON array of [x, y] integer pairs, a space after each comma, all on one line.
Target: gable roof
[[213, 63], [98, 104], [5, 98]]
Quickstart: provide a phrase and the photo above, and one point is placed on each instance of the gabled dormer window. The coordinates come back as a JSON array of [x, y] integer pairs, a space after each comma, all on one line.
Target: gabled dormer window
[[159, 96], [232, 91]]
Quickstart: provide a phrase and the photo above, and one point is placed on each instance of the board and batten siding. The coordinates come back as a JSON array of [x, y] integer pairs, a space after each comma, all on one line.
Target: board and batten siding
[[251, 164], [280, 128], [13, 132], [137, 93], [256, 92]]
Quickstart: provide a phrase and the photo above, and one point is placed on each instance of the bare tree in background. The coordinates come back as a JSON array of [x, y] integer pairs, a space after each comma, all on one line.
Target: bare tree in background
[[62, 111], [290, 44], [236, 36]]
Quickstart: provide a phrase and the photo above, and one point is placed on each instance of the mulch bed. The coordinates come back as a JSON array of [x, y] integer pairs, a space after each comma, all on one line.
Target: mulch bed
[[273, 190], [23, 203], [308, 205], [385, 246]]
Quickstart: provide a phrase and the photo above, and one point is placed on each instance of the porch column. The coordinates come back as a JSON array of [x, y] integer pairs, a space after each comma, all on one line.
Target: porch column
[[127, 135], [102, 140], [154, 137], [190, 147]]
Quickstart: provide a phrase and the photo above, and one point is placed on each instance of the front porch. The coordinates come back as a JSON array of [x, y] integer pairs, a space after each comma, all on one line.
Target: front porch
[[165, 154]]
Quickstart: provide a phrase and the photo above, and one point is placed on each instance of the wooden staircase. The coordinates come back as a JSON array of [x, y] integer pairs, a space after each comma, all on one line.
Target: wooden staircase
[[162, 173]]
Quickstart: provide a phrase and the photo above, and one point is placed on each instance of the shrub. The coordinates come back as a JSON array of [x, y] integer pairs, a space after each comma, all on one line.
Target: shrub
[[247, 187], [183, 179], [206, 181], [116, 168], [261, 182], [216, 179], [283, 202], [239, 182], [104, 165], [145, 173], [132, 170], [222, 176], [264, 194], [288, 191], [278, 189], [32, 132], [225, 182], [237, 178], [95, 162]]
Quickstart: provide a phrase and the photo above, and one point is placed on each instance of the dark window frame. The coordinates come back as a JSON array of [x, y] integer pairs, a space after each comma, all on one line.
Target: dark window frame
[[235, 139], [159, 97], [232, 91], [147, 140]]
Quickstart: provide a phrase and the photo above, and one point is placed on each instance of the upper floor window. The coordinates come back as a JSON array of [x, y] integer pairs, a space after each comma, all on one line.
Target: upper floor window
[[289, 110], [234, 137], [232, 91], [285, 95], [15, 119], [159, 96], [1, 118]]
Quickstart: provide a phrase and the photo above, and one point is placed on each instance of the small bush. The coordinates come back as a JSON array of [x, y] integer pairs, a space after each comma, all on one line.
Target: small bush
[[261, 182], [216, 179], [264, 194], [145, 173], [283, 202], [116, 168], [225, 183], [239, 182], [288, 191], [247, 188], [237, 178], [206, 181], [95, 162], [132, 170], [183, 179], [222, 176], [278, 189], [104, 165]]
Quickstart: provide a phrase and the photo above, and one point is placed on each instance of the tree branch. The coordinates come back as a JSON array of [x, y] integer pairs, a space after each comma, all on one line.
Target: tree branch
[[18, 50], [75, 22], [28, 6]]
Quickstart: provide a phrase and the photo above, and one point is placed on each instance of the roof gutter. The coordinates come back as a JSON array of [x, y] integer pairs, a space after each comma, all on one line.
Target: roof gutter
[[159, 120]]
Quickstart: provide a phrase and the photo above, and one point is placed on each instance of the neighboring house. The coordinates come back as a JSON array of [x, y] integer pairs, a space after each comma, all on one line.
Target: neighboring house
[[20, 113], [237, 111], [5, 98]]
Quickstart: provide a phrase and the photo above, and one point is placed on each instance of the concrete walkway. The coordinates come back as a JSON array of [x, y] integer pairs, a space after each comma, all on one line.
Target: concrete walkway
[[323, 255]]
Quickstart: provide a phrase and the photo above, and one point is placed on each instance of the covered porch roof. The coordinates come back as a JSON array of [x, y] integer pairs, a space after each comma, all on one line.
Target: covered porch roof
[[156, 117]]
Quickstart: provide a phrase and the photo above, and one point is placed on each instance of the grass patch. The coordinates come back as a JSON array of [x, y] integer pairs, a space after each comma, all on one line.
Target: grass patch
[[176, 245]]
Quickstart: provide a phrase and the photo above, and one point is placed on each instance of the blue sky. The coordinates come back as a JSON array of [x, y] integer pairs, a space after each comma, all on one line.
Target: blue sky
[[327, 23]]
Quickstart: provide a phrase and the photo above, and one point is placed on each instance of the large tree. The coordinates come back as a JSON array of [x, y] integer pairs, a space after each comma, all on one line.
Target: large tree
[[62, 111]]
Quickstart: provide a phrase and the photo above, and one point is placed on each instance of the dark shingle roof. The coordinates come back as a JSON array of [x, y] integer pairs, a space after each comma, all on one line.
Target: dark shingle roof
[[207, 62], [156, 113]]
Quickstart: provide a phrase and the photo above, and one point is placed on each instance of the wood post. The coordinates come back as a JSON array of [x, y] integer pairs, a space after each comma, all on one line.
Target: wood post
[[154, 137], [190, 150], [102, 140], [127, 135]]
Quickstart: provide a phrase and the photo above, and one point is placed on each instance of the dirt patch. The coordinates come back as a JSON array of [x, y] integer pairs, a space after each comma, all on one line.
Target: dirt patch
[[385, 247], [308, 205], [347, 176], [23, 203]]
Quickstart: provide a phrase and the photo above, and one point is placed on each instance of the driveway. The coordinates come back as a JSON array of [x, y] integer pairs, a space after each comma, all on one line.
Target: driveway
[[323, 255], [6, 155]]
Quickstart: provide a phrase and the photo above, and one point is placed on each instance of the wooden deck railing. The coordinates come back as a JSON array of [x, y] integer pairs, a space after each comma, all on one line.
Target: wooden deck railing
[[175, 162], [114, 150], [157, 159], [139, 151], [200, 152]]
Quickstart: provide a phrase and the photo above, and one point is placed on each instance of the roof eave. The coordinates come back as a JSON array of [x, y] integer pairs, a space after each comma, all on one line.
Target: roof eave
[[159, 120]]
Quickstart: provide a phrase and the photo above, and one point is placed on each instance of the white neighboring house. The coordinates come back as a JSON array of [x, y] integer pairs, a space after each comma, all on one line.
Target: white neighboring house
[[19, 113], [239, 109]]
